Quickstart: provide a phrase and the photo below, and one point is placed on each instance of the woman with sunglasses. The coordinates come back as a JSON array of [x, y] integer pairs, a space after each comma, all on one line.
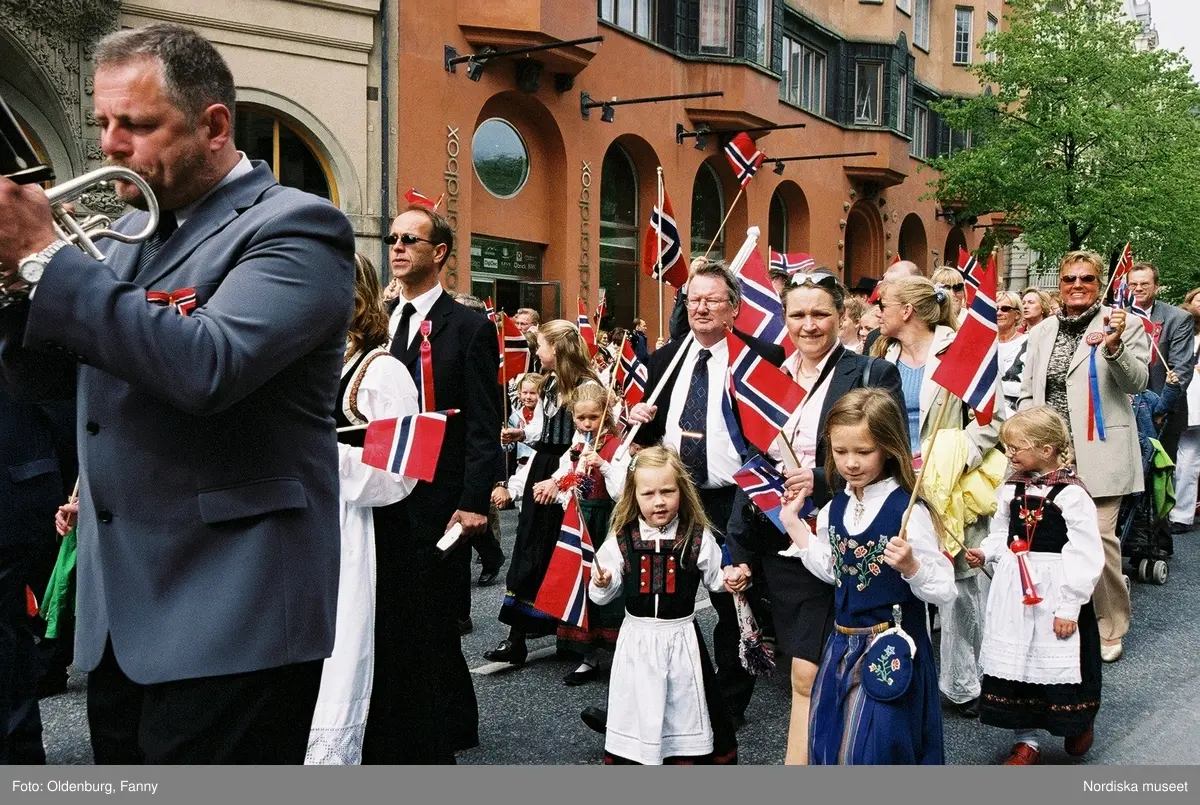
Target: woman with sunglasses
[[1012, 345], [917, 327], [952, 280], [801, 604], [1084, 363]]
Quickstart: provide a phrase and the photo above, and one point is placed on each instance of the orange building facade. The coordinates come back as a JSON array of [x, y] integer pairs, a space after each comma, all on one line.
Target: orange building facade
[[550, 204]]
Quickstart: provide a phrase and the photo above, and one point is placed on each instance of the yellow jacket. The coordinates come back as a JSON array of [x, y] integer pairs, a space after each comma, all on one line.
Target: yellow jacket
[[960, 497]]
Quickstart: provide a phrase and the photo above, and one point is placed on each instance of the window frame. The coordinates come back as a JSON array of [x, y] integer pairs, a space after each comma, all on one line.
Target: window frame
[[638, 6], [730, 18], [963, 38], [919, 147], [905, 6], [991, 26], [877, 66], [802, 51], [279, 122], [921, 24]]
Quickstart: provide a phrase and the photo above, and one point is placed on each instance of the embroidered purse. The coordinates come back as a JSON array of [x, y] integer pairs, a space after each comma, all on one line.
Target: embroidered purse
[[887, 665]]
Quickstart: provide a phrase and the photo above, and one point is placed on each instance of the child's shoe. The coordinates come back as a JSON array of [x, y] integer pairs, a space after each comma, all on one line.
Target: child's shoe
[[1077, 745], [1023, 755]]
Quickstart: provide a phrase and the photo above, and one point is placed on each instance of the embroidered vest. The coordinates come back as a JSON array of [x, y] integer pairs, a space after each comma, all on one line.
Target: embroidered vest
[[1050, 532], [666, 574]]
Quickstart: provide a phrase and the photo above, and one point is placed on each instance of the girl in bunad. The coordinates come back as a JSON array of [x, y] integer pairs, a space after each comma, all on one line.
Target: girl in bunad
[[663, 702], [1041, 643], [564, 358], [876, 699], [374, 386], [591, 457]]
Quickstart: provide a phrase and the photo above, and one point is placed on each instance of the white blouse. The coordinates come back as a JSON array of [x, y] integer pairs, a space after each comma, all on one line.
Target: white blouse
[[613, 473], [802, 426]]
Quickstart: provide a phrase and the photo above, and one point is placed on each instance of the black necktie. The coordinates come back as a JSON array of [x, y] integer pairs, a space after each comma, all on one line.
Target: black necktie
[[692, 448], [400, 339], [153, 244]]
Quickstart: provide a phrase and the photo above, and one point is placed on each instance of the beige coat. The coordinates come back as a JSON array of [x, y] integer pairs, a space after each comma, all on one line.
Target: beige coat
[[1113, 466]]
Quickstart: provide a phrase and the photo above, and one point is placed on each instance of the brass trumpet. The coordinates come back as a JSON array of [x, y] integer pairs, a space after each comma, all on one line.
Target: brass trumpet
[[84, 233]]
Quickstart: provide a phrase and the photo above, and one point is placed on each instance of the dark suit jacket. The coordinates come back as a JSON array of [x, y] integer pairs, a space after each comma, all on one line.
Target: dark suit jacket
[[751, 532], [30, 478], [1175, 343], [209, 536]]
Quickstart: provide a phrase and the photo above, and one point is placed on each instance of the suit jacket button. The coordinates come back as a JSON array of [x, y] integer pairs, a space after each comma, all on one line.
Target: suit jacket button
[[93, 428], [104, 516]]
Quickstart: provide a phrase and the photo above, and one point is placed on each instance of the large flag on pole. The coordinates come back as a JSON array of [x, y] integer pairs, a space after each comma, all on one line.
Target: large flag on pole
[[664, 231], [563, 593], [792, 262], [766, 397], [408, 445], [631, 375], [585, 329], [744, 157], [514, 355], [761, 312], [968, 266], [969, 368]]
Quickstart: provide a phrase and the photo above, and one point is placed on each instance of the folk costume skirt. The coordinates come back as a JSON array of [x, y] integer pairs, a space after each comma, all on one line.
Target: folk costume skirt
[[604, 621], [538, 528]]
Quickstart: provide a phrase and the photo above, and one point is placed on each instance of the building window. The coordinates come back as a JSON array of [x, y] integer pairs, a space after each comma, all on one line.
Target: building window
[[708, 208], [904, 5], [959, 140], [921, 25], [632, 15], [620, 233], [777, 223], [867, 83], [261, 135], [962, 35], [992, 27], [803, 76], [902, 102], [716, 27], [920, 132], [500, 158], [758, 46]]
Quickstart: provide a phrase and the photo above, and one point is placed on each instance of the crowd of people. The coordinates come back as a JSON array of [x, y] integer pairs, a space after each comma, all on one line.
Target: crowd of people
[[249, 590]]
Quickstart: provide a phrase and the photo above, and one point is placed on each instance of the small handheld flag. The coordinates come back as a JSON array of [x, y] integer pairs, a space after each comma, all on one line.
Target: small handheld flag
[[969, 267], [792, 262], [969, 368], [764, 485], [761, 312], [631, 375], [418, 200], [408, 445], [744, 157], [563, 593], [766, 397], [674, 268], [585, 330], [515, 358]]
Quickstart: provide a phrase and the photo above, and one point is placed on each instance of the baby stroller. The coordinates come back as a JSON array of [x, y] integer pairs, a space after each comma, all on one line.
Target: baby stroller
[[1143, 516]]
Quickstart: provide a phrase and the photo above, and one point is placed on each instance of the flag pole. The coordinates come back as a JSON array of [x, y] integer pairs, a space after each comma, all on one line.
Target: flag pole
[[684, 347], [724, 220], [937, 426], [503, 371], [1108, 288], [658, 266]]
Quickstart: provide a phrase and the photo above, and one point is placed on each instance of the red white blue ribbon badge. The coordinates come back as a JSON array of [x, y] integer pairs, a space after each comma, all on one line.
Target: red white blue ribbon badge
[[1095, 411], [427, 397]]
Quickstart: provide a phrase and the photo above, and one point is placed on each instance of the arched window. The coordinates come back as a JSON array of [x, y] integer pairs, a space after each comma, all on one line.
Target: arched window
[[261, 134], [500, 158], [708, 208], [777, 223], [619, 234]]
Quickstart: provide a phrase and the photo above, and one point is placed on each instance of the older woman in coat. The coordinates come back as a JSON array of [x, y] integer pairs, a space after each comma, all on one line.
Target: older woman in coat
[[1062, 349]]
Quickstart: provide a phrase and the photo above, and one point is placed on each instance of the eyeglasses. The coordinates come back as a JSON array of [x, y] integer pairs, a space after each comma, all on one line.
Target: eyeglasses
[[957, 287], [1007, 309], [693, 304], [407, 239], [1011, 449], [1071, 279], [821, 279]]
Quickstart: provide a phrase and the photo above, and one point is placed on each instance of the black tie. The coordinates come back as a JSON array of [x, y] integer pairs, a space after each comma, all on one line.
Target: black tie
[[150, 248], [692, 448], [400, 339]]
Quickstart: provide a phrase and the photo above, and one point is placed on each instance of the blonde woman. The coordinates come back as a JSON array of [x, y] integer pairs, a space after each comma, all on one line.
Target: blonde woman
[[952, 280], [1011, 345]]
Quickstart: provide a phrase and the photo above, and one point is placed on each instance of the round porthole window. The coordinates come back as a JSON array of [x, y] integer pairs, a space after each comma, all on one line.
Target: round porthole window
[[500, 158]]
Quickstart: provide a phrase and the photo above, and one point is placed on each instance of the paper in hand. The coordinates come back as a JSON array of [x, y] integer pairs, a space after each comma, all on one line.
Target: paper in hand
[[450, 538]]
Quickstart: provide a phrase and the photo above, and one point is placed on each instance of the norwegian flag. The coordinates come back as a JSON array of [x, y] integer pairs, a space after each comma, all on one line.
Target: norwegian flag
[[969, 368], [631, 376], [418, 200], [766, 397], [744, 157], [563, 593], [674, 269], [968, 266], [585, 330], [792, 262], [490, 310], [761, 312], [407, 446], [602, 308], [763, 484], [514, 350], [1121, 272]]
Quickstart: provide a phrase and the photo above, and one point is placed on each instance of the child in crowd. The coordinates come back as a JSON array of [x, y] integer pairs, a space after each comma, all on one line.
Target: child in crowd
[[529, 390], [663, 702], [1041, 644], [876, 697], [600, 481]]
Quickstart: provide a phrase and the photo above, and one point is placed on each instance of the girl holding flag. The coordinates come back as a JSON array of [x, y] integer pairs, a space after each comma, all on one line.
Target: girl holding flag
[[1084, 362]]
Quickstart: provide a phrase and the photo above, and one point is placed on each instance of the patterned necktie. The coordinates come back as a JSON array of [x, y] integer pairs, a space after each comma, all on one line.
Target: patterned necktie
[[153, 244], [400, 339], [694, 419]]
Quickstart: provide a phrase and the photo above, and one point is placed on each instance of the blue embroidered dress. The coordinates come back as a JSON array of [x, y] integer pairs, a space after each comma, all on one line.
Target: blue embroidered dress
[[847, 726]]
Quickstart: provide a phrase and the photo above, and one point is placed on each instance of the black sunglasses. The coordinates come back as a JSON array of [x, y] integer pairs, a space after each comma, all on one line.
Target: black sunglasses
[[407, 239], [1007, 308], [821, 279], [1071, 279], [957, 287]]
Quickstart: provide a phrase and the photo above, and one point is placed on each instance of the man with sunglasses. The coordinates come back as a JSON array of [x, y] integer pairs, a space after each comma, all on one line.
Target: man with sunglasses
[[423, 705], [1088, 346]]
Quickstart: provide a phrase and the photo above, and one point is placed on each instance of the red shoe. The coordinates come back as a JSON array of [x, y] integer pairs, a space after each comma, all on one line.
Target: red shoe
[[1077, 745], [1023, 755]]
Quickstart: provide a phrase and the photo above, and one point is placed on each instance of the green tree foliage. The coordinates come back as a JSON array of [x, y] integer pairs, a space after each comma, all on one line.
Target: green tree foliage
[[1082, 140]]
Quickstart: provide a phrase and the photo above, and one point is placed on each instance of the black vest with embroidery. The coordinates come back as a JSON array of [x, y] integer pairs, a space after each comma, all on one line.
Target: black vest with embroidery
[[664, 573], [1049, 526], [354, 438]]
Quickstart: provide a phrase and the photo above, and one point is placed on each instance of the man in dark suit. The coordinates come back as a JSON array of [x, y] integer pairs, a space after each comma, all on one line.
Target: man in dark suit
[[207, 360], [30, 491], [423, 705], [691, 403]]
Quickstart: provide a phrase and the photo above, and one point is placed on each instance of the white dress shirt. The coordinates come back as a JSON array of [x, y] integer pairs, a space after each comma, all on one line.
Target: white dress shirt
[[423, 304], [723, 458], [802, 425]]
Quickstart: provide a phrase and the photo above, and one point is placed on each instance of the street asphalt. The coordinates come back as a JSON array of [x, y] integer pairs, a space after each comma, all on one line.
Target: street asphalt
[[528, 716]]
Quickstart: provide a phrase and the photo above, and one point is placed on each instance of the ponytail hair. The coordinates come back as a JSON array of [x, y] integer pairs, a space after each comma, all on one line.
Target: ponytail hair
[[931, 304]]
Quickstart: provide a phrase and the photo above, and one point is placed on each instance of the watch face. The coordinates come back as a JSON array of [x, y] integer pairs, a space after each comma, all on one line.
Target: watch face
[[31, 271]]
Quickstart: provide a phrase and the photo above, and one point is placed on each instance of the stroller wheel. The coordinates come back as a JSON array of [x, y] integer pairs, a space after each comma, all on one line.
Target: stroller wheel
[[1128, 584], [1159, 572], [1143, 570]]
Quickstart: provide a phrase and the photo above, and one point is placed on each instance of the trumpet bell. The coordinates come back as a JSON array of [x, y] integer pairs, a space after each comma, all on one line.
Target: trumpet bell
[[84, 233]]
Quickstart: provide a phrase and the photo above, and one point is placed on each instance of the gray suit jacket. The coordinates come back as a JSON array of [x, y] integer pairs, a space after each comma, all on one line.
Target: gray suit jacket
[[1175, 343], [208, 527]]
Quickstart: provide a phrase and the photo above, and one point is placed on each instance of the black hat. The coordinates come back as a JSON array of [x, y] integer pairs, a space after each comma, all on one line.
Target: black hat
[[865, 285]]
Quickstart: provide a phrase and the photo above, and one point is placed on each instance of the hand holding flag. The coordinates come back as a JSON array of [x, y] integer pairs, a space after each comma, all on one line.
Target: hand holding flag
[[407, 446], [563, 593], [766, 397]]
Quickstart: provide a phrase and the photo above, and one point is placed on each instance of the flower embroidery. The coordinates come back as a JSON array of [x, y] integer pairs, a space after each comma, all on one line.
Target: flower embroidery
[[860, 552], [883, 669]]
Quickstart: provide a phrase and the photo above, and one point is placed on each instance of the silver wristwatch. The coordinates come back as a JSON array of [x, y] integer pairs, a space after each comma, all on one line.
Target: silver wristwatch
[[30, 268]]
